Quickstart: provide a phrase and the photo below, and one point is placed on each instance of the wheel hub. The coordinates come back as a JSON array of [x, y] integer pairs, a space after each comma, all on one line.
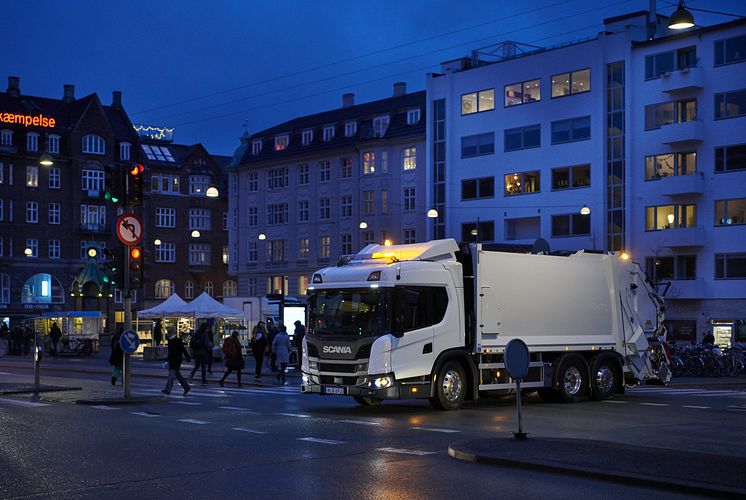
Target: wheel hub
[[605, 379], [451, 385], [573, 380]]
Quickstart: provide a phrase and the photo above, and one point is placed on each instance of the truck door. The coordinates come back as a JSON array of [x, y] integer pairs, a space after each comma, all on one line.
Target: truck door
[[488, 316], [412, 323]]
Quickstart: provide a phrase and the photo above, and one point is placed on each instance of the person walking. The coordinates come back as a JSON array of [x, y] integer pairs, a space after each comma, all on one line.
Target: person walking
[[258, 347], [200, 345], [233, 357], [298, 334], [55, 334], [281, 350], [157, 332], [210, 348], [116, 358], [176, 352], [272, 332]]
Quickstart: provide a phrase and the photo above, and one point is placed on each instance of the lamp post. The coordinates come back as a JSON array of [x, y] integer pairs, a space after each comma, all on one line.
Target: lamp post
[[682, 19]]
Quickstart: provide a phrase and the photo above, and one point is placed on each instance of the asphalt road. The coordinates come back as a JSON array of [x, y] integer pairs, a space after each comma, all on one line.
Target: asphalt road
[[273, 442]]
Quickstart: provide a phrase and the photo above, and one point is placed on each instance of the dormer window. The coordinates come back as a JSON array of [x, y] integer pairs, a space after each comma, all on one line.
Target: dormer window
[[32, 141], [413, 116], [281, 142], [306, 138], [350, 129], [53, 143], [380, 125], [124, 150], [94, 144], [328, 133], [256, 147]]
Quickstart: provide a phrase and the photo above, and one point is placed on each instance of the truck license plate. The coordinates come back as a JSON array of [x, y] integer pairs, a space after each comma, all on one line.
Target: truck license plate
[[326, 389]]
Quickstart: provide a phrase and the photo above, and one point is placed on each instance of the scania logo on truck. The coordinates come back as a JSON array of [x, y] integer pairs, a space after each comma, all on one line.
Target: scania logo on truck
[[337, 349]]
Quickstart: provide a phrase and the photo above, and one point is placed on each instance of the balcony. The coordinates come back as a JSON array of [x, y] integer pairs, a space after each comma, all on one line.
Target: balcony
[[683, 80], [683, 237], [683, 133], [93, 227], [686, 289], [679, 185]]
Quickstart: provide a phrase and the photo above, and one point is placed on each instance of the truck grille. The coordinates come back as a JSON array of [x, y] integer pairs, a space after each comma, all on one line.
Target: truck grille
[[328, 379], [338, 367]]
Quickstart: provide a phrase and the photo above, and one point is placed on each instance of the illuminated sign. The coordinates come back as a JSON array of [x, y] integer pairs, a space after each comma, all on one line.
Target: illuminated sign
[[157, 133], [28, 120]]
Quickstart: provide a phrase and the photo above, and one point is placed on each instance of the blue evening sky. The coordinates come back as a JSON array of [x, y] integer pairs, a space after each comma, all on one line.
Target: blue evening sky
[[205, 67]]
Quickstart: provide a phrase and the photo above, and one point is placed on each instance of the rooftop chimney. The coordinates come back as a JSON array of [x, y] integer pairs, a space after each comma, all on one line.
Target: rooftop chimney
[[116, 99], [14, 86], [400, 88], [348, 100], [69, 95]]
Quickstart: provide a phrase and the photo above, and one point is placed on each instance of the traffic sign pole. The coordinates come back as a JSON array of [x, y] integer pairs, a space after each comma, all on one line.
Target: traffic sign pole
[[127, 326]]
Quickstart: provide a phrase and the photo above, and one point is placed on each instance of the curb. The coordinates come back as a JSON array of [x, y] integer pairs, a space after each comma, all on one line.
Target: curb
[[121, 401], [606, 475], [49, 388]]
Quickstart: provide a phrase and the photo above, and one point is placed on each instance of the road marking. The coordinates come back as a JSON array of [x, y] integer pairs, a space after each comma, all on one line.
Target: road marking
[[655, 404], [401, 451], [737, 408], [715, 394], [236, 408], [614, 401], [193, 421], [20, 402], [322, 441], [144, 414], [104, 407], [696, 407], [298, 415], [251, 431], [186, 403], [358, 422], [432, 429], [5, 373]]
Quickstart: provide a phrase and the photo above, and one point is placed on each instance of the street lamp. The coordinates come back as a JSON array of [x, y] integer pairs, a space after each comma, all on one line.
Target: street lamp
[[585, 210], [212, 192], [195, 234], [28, 252], [157, 242], [46, 160], [682, 19], [262, 236], [363, 225], [432, 213]]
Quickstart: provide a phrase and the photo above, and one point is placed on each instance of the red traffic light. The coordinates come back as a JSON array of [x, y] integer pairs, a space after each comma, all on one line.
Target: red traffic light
[[135, 253], [137, 169]]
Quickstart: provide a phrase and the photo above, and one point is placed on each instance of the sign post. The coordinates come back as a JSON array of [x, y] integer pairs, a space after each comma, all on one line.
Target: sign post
[[516, 363], [129, 342]]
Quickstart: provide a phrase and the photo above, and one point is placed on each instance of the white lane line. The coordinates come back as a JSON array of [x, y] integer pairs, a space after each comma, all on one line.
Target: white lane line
[[236, 408], [250, 431], [655, 404], [432, 429], [319, 440], [614, 401], [185, 403], [715, 394], [144, 414], [191, 393], [104, 407], [20, 402], [298, 415], [358, 422], [5, 373], [734, 407], [193, 421], [696, 407], [401, 451]]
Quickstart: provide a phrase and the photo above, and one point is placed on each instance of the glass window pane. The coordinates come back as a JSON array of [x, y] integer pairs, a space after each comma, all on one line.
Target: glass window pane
[[581, 128], [487, 187], [512, 140], [532, 91], [581, 81], [560, 131], [561, 85], [532, 137], [560, 178], [468, 189], [581, 176], [487, 100], [469, 103], [560, 225], [513, 94]]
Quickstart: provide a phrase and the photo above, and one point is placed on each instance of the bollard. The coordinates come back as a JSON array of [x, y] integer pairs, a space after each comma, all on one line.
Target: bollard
[[37, 362]]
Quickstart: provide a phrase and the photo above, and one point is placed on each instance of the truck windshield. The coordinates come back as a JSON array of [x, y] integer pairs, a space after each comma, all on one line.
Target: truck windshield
[[359, 313]]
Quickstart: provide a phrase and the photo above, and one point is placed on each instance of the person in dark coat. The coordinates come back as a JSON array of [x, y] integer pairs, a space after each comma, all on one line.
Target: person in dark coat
[[233, 357], [116, 358], [258, 347], [200, 345], [176, 352], [298, 334], [272, 331], [16, 340], [281, 350], [55, 334], [157, 332]]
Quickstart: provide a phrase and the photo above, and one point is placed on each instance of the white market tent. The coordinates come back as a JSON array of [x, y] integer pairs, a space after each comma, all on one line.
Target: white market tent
[[205, 306], [170, 307]]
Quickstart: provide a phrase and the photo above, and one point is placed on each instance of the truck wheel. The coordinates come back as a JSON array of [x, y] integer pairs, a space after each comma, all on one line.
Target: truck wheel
[[363, 401], [604, 377], [450, 387], [572, 379]]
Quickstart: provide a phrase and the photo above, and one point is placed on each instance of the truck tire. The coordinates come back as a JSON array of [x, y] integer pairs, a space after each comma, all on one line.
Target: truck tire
[[363, 401], [572, 379], [605, 377], [450, 387]]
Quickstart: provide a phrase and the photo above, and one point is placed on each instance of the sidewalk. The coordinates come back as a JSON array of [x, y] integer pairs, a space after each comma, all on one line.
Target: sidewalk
[[673, 470]]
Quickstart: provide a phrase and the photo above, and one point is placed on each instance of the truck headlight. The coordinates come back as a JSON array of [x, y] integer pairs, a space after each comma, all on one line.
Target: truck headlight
[[306, 379], [313, 365], [382, 382]]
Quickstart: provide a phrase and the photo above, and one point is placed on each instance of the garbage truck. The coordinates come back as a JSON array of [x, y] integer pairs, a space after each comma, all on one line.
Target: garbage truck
[[431, 320]]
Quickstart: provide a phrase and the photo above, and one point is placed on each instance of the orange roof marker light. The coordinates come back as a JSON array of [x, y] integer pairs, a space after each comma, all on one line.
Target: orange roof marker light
[[624, 256]]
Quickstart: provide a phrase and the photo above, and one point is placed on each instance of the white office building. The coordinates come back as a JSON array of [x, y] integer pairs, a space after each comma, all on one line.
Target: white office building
[[643, 126]]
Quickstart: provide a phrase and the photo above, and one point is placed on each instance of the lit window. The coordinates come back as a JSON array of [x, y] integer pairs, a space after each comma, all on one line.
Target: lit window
[[670, 217], [522, 93], [94, 144], [164, 289], [198, 184], [476, 102], [281, 142], [523, 182], [409, 158], [669, 165], [729, 212], [303, 249], [571, 83], [369, 162], [325, 247], [32, 176]]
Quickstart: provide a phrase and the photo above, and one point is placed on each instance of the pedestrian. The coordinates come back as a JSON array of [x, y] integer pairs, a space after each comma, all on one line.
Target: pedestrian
[[157, 332], [200, 346], [281, 350], [211, 346], [116, 358], [55, 334], [298, 334], [233, 357], [272, 331], [28, 339], [4, 331], [16, 341], [176, 352], [258, 347]]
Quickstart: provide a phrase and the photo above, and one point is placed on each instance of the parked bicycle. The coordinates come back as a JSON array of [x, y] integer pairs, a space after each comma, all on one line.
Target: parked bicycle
[[72, 345], [706, 360]]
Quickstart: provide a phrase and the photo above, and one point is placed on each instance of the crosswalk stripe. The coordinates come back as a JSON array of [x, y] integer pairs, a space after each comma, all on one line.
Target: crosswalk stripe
[[319, 440], [406, 452], [696, 407], [144, 414], [432, 429], [298, 415], [185, 403], [655, 404], [614, 401], [250, 431], [193, 421], [359, 422], [20, 402], [104, 407], [236, 408]]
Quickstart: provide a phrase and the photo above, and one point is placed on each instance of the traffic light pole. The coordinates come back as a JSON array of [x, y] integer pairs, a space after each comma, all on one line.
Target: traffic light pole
[[127, 300]]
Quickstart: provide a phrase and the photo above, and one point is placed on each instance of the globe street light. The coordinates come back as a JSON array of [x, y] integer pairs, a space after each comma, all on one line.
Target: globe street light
[[262, 236], [432, 213], [363, 225], [585, 210], [212, 192], [195, 234], [157, 242]]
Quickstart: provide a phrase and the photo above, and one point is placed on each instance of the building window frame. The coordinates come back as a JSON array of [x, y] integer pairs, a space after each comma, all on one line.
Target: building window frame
[[528, 182], [730, 212], [478, 145], [730, 104], [577, 129], [477, 102], [522, 93], [571, 177], [409, 158], [93, 144], [575, 83]]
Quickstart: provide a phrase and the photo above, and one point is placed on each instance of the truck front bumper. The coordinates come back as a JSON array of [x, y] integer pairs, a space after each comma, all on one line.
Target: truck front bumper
[[397, 389]]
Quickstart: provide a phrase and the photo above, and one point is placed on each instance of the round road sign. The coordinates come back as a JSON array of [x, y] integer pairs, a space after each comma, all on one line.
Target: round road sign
[[129, 341], [129, 229], [516, 358]]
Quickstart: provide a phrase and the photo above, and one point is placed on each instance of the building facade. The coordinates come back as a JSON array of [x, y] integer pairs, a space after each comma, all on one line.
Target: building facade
[[631, 141], [307, 191]]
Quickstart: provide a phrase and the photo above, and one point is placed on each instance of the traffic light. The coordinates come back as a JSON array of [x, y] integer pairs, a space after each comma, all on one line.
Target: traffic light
[[135, 185], [114, 267], [113, 191], [135, 263]]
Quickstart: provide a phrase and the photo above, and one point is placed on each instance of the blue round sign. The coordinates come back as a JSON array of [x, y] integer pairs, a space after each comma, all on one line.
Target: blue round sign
[[129, 341], [516, 358]]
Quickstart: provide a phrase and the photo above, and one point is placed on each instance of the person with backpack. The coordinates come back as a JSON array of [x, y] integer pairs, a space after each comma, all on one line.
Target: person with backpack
[[176, 352], [258, 346], [200, 346], [55, 334], [233, 357], [281, 350]]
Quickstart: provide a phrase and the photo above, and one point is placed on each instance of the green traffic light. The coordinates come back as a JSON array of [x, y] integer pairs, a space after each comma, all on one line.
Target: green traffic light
[[106, 279]]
